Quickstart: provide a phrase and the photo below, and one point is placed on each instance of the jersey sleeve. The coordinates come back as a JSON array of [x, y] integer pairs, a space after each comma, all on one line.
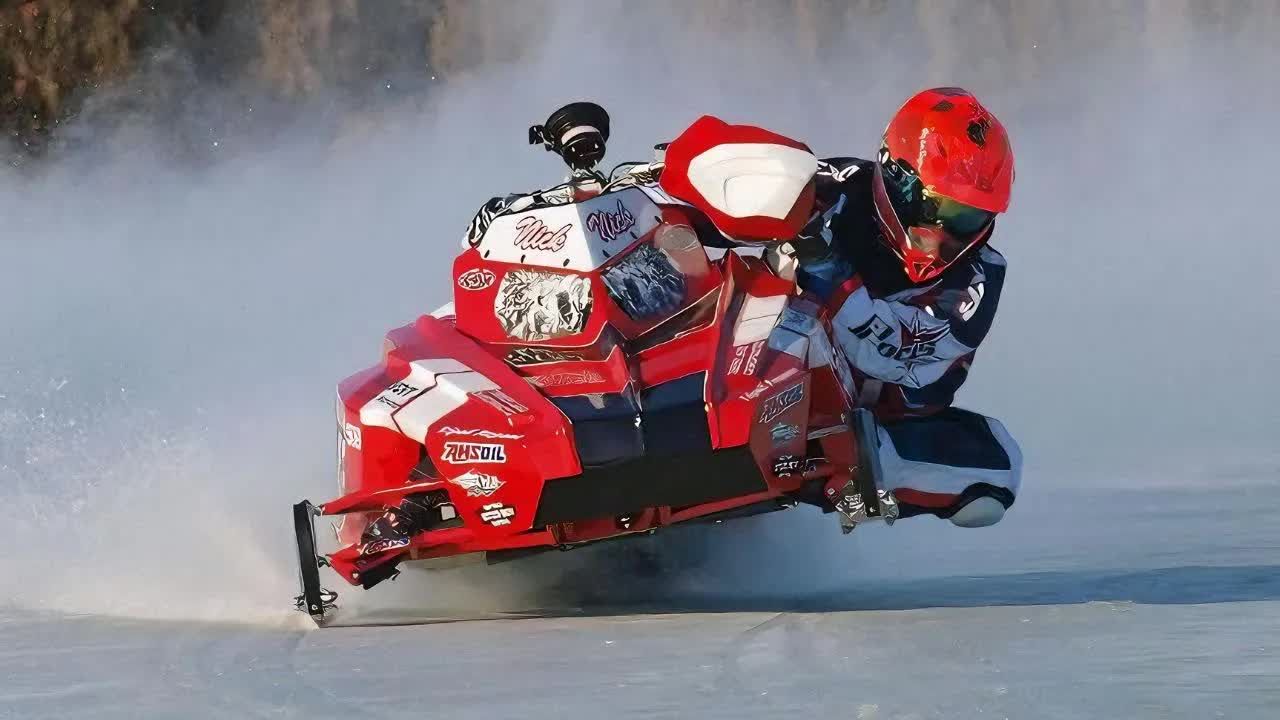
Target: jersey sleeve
[[915, 337]]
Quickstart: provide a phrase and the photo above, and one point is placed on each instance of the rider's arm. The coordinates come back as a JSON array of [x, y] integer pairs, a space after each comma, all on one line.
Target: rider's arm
[[913, 338]]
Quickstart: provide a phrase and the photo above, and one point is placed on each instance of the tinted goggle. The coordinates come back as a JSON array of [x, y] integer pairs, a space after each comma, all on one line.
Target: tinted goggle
[[953, 216]]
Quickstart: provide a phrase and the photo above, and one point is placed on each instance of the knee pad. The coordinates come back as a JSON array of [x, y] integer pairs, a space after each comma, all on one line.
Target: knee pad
[[979, 512]]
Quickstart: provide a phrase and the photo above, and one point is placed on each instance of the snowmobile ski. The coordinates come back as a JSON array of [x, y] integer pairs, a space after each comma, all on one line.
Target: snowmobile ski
[[314, 600]]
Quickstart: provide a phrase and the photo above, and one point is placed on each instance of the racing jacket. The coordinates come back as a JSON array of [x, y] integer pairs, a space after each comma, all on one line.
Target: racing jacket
[[910, 345]]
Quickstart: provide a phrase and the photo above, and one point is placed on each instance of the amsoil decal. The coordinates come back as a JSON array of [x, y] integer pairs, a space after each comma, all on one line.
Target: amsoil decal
[[610, 225], [501, 401], [476, 279], [497, 514], [746, 358], [472, 432], [477, 484], [780, 403], [469, 452], [533, 234]]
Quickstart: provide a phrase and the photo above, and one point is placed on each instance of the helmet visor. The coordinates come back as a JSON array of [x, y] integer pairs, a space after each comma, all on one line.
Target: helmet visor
[[954, 217]]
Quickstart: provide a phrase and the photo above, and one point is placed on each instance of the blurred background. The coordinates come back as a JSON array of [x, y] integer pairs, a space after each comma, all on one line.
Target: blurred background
[[211, 211]]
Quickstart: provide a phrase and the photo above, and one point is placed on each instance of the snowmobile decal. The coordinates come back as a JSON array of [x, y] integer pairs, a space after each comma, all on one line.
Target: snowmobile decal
[[559, 236], [533, 234], [433, 389], [579, 377], [533, 305], [501, 401], [783, 432], [780, 403], [746, 358], [486, 434], [534, 356], [477, 484], [383, 545], [609, 225], [497, 514], [787, 465], [459, 453], [477, 279], [351, 434]]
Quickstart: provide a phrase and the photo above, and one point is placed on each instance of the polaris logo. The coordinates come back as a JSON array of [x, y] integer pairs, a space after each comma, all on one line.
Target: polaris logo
[[467, 452]]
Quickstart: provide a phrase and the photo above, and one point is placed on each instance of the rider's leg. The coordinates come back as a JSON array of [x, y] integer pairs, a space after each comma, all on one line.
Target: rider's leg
[[956, 464]]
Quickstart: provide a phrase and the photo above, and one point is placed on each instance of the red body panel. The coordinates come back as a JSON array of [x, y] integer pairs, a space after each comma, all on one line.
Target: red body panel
[[462, 412]]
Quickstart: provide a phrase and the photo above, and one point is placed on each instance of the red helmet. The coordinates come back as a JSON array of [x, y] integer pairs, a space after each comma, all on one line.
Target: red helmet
[[945, 171]]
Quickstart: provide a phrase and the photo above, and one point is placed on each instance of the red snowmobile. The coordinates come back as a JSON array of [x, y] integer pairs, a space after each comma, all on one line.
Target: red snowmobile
[[598, 375]]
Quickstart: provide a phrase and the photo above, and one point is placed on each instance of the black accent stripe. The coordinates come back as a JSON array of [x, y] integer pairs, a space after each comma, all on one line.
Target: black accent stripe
[[651, 481], [642, 450]]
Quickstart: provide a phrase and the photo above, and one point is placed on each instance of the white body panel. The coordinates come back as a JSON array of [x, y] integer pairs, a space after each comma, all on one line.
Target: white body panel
[[579, 237], [433, 389]]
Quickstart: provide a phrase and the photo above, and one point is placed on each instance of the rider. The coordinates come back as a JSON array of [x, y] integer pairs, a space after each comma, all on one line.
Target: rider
[[898, 250]]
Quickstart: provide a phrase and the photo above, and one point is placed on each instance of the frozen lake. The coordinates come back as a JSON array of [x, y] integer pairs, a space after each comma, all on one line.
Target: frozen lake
[[1176, 615]]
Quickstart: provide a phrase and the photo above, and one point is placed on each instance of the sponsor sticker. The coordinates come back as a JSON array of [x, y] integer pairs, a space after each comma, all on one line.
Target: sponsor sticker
[[533, 234], [780, 403], [403, 390], [783, 432], [533, 356], [476, 279], [533, 305], [472, 432], [787, 465], [477, 484], [501, 401], [609, 225], [561, 379], [746, 358], [351, 433], [383, 545], [497, 514], [458, 453]]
